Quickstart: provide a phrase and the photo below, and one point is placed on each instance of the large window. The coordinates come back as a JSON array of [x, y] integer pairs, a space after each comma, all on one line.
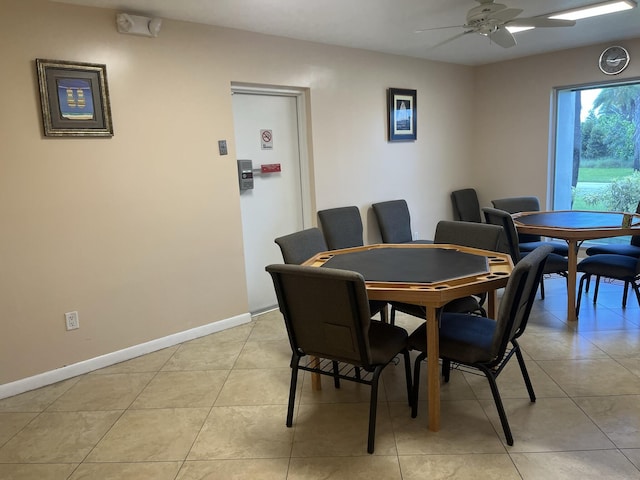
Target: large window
[[597, 150]]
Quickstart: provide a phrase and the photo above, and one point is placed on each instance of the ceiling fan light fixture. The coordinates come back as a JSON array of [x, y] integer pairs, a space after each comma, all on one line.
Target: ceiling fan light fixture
[[602, 8], [518, 29]]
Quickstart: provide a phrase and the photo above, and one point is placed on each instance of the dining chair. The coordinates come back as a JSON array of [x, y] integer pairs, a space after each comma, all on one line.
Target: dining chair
[[618, 267], [484, 344], [467, 234], [555, 263], [300, 246], [394, 221], [631, 249], [527, 241], [466, 206], [326, 313], [342, 228]]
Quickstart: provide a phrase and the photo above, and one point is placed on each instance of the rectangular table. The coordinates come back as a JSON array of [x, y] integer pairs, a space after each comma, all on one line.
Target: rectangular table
[[446, 275]]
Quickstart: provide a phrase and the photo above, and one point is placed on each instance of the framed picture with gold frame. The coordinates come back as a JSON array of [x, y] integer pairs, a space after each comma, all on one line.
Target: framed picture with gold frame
[[402, 113], [75, 99]]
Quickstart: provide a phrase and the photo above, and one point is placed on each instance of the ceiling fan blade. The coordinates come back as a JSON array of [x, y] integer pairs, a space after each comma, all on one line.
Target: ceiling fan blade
[[503, 37], [436, 28], [541, 22], [449, 39], [505, 15]]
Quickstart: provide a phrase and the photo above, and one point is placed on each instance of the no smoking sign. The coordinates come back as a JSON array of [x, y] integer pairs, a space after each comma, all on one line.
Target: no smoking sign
[[266, 139]]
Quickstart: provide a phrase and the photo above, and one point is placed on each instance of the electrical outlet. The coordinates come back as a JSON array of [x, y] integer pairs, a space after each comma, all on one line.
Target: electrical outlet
[[71, 318]]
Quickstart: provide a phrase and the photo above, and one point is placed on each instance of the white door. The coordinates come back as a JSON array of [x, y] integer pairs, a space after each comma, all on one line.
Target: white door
[[274, 207]]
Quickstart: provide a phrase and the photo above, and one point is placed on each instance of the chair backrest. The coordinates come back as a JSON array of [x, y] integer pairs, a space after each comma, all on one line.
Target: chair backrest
[[300, 246], [466, 206], [471, 234], [342, 227], [495, 216], [519, 204], [394, 221], [635, 239], [518, 298], [326, 312]]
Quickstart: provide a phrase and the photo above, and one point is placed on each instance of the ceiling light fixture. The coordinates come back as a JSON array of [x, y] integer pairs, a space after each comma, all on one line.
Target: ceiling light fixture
[[602, 8]]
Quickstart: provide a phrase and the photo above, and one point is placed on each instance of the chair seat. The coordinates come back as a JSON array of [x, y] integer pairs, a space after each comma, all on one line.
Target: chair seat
[[559, 248], [607, 265], [467, 338], [385, 341], [618, 249], [555, 263]]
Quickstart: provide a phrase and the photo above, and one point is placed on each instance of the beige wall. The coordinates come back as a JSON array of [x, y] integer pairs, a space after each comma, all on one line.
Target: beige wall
[[513, 123], [141, 233]]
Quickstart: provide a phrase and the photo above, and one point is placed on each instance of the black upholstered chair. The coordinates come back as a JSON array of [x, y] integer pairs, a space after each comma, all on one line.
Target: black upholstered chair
[[631, 249], [555, 263], [468, 234], [298, 247], [342, 228], [394, 221], [485, 344], [326, 312], [466, 206], [527, 241], [619, 267]]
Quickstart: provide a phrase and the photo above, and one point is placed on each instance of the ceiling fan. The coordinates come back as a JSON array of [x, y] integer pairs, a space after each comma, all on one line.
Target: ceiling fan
[[492, 19]]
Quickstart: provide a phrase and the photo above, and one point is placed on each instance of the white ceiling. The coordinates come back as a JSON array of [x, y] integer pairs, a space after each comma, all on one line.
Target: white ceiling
[[388, 25]]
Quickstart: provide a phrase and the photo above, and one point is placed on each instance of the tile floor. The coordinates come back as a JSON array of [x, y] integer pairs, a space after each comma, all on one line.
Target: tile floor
[[214, 408]]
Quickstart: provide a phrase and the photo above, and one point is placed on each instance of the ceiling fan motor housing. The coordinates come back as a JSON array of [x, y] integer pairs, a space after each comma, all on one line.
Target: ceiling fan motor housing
[[481, 14]]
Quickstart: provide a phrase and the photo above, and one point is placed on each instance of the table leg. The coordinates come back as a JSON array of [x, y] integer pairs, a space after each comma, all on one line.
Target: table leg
[[433, 369], [316, 384], [571, 280], [492, 302]]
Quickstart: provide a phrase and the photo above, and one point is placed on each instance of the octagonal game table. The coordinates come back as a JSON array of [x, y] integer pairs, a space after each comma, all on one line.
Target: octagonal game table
[[576, 226], [430, 275]]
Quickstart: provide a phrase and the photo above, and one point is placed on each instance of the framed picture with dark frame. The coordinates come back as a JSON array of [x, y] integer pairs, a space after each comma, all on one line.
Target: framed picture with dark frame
[[75, 99], [401, 104]]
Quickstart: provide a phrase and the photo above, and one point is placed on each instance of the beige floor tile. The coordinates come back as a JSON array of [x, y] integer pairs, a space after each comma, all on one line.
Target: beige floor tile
[[244, 432], [256, 387], [12, 423], [338, 468], [269, 327], [511, 383], [457, 388], [624, 343], [204, 356], [617, 416], [58, 437], [121, 471], [349, 392], [230, 335], [254, 469], [459, 467], [559, 346], [333, 430], [549, 424], [151, 362], [184, 389], [36, 400], [102, 392], [631, 364], [581, 378], [633, 454], [36, 472], [580, 465], [150, 436], [273, 354], [464, 429]]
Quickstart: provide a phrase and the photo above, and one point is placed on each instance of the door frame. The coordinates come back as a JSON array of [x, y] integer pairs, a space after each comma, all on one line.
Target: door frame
[[301, 96]]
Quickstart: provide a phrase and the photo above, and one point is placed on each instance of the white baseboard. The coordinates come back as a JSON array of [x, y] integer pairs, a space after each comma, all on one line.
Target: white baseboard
[[69, 371]]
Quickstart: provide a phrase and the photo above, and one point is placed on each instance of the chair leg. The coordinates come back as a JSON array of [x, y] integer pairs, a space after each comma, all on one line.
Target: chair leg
[[595, 291], [292, 389], [446, 369], [637, 290], [407, 374], [525, 373], [373, 406], [416, 384], [392, 316], [586, 277], [384, 314], [542, 288], [588, 283], [498, 401], [625, 294], [336, 379]]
